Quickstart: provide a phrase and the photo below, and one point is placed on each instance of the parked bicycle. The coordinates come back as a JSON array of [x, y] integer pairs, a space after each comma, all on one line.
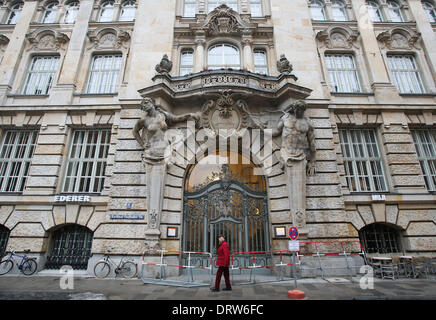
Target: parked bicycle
[[27, 265], [126, 268]]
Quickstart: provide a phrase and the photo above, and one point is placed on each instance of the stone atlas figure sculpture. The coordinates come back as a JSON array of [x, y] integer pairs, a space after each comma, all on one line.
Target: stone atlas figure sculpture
[[298, 157], [149, 131]]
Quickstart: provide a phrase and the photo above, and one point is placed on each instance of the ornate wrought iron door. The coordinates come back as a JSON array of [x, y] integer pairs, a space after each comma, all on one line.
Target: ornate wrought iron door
[[228, 208]]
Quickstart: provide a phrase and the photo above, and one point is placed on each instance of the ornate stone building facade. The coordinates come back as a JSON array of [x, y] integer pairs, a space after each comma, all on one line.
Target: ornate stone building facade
[[83, 170]]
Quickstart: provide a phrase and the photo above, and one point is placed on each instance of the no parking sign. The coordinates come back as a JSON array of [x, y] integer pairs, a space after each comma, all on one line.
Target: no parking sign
[[293, 233]]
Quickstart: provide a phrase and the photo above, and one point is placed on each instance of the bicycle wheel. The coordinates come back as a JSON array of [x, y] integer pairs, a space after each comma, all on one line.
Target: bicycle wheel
[[102, 269], [129, 269], [29, 267], [6, 266]]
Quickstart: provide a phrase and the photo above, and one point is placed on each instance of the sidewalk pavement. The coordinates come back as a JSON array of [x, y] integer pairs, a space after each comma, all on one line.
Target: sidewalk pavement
[[87, 288]]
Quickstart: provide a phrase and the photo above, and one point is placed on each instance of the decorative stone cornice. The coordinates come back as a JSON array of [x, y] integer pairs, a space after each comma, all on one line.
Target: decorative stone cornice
[[399, 38], [47, 39], [338, 37], [108, 37], [223, 21]]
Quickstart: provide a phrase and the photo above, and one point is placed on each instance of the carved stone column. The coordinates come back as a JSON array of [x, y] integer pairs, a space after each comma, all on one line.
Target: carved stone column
[[248, 53], [199, 53], [296, 182], [155, 178]]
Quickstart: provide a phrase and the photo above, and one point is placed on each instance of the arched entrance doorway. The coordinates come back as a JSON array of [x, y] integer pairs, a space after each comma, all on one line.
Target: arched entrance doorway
[[225, 198], [70, 245]]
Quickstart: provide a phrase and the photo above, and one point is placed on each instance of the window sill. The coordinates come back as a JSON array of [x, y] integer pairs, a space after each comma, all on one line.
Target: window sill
[[348, 94], [85, 94], [418, 94], [32, 96]]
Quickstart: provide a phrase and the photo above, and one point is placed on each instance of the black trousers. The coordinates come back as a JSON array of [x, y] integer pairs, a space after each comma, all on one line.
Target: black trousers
[[219, 273]]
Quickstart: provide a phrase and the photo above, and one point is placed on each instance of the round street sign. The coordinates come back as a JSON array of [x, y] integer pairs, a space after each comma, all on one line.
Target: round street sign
[[293, 233]]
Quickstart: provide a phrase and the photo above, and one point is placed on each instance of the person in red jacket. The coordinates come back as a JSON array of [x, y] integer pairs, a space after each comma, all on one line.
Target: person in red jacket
[[223, 263]]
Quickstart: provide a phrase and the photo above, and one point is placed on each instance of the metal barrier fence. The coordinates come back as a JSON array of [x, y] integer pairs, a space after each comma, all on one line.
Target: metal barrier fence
[[253, 261], [163, 265]]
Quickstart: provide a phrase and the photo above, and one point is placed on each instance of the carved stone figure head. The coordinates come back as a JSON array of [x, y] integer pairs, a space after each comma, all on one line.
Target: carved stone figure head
[[148, 105], [300, 107]]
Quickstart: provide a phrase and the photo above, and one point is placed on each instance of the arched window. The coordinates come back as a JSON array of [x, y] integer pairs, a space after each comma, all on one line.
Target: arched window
[[429, 10], [339, 11], [71, 11], [106, 11], [380, 238], [395, 11], [374, 11], [4, 237], [189, 8], [223, 56], [317, 10], [70, 245], [260, 62], [128, 9], [212, 4], [186, 62], [15, 13], [50, 12]]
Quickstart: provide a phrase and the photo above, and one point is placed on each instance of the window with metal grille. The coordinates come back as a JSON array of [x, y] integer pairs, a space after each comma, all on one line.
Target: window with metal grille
[[16, 151], [186, 62], [223, 56], [87, 161], [212, 4], [4, 237], [104, 73], [380, 238], [40, 75], [362, 161], [256, 8], [425, 144], [190, 7], [260, 62], [342, 73], [71, 245], [406, 74]]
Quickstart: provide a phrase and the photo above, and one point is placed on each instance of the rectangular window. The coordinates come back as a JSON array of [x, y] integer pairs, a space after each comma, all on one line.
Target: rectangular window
[[104, 73], [405, 73], [212, 4], [362, 160], [425, 144], [186, 62], [189, 8], [87, 161], [16, 153], [256, 8], [342, 73], [260, 63], [40, 75]]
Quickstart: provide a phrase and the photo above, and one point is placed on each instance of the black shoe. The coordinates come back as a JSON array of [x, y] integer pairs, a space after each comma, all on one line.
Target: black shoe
[[214, 289], [225, 289]]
